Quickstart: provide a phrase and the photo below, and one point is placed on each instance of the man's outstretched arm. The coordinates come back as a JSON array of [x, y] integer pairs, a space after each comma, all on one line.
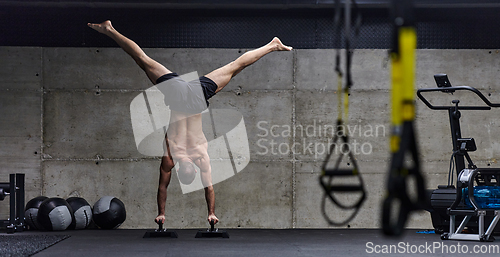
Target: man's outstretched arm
[[206, 178], [210, 198], [161, 197]]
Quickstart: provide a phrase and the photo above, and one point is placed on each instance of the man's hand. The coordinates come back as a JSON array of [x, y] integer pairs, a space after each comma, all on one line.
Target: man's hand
[[212, 217], [160, 219]]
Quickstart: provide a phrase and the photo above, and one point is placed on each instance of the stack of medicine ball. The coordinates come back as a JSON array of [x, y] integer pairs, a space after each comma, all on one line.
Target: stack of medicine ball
[[43, 213]]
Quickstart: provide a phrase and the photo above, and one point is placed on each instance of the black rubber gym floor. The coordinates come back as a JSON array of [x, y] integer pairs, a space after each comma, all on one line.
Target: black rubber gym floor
[[259, 242]]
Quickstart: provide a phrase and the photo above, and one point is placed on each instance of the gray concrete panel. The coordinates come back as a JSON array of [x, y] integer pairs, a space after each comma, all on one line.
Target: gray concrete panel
[[367, 126], [315, 69], [261, 110], [20, 114], [484, 127], [20, 127], [433, 133], [91, 69], [21, 68], [21, 148], [464, 67], [371, 69], [259, 196], [86, 125]]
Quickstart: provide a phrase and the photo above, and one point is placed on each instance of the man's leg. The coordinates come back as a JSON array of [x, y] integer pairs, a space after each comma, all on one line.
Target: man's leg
[[223, 75], [153, 69]]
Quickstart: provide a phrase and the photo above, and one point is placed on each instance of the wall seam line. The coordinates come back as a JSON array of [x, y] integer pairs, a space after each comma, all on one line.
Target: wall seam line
[[294, 163], [42, 93]]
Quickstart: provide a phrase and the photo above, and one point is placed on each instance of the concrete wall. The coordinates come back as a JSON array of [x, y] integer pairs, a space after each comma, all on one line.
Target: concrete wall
[[65, 122]]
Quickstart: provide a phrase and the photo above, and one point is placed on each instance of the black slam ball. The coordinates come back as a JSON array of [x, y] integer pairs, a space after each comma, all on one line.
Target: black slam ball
[[55, 214], [82, 213], [109, 212], [31, 212]]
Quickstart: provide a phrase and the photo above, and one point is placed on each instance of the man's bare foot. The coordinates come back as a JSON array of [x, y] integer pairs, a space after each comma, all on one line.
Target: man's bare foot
[[278, 46], [103, 28]]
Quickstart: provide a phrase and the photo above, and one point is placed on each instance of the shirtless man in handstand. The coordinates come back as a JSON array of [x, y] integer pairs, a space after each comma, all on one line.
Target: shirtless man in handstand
[[186, 143]]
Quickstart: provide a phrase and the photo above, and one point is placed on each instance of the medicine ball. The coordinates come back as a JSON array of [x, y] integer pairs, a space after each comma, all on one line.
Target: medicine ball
[[109, 212], [55, 214], [82, 213], [31, 212]]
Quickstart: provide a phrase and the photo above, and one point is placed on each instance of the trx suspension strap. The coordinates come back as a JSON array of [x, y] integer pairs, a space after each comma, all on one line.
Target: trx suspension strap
[[403, 142], [341, 139]]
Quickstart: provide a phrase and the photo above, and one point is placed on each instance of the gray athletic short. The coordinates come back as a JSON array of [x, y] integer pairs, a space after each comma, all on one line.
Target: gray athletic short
[[189, 97]]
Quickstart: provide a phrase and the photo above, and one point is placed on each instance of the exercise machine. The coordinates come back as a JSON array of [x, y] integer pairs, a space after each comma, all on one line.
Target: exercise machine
[[471, 202], [15, 190]]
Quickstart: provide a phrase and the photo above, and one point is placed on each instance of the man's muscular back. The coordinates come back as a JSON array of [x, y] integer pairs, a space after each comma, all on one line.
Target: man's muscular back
[[185, 137]]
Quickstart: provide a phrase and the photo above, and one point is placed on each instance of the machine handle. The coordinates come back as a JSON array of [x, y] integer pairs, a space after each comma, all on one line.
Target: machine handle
[[212, 223], [447, 89]]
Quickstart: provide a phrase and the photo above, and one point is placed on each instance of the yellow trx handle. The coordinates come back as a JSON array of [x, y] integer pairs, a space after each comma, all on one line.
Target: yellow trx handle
[[346, 104], [403, 140], [342, 101], [403, 83], [409, 44], [339, 96]]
